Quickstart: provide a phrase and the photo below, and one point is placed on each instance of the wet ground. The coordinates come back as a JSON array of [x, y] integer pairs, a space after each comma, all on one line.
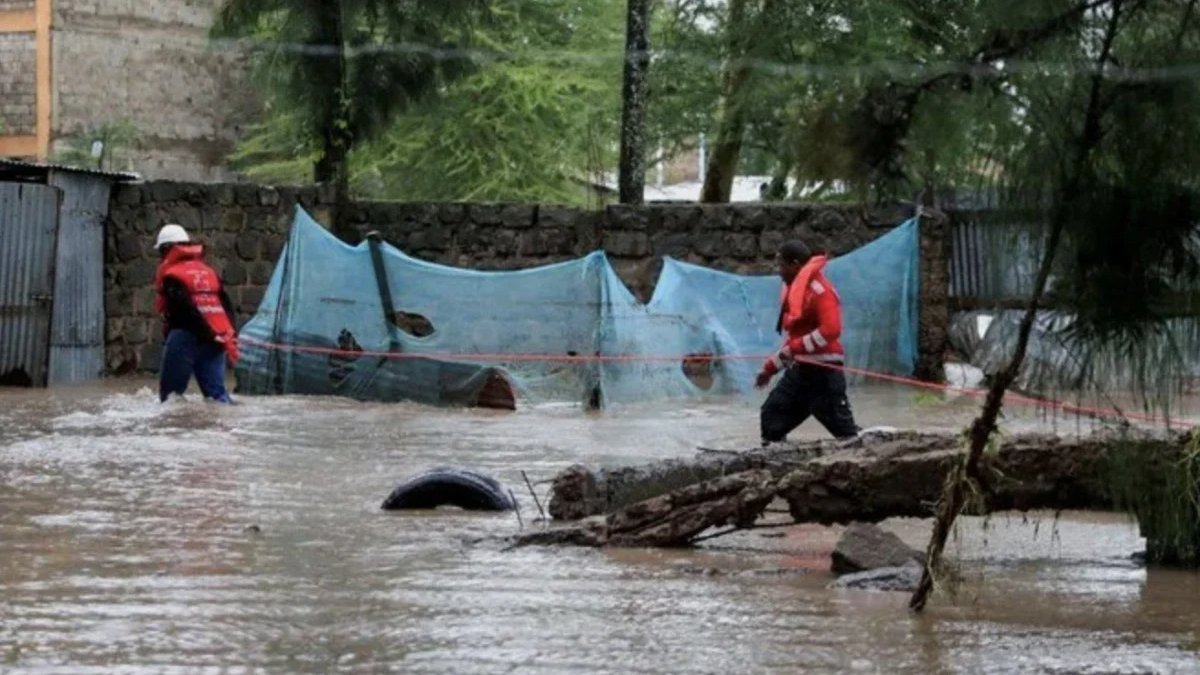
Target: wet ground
[[139, 538]]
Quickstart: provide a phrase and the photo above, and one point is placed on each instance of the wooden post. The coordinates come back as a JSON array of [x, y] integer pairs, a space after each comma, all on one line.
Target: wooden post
[[43, 19], [36, 20]]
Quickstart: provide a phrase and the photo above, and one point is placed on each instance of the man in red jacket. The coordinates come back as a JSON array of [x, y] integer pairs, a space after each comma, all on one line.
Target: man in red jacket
[[810, 315], [197, 318]]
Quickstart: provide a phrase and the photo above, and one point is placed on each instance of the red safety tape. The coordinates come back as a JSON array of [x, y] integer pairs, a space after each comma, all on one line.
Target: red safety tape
[[1104, 413]]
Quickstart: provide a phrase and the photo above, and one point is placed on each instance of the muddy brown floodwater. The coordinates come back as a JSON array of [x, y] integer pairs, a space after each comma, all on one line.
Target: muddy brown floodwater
[[142, 538]]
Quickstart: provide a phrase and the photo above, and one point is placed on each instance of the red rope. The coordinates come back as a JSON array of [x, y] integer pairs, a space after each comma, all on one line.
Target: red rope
[[629, 358], [505, 358]]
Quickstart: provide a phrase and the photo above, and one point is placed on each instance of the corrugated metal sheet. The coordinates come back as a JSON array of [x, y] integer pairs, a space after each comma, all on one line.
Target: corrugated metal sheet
[[28, 230], [993, 261], [966, 268], [77, 324], [40, 171]]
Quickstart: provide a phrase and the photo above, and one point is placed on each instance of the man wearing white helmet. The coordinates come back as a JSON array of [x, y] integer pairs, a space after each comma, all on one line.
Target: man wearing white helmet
[[197, 318]]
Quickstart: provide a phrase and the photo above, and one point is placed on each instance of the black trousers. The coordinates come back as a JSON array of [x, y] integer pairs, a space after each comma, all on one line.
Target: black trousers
[[804, 390]]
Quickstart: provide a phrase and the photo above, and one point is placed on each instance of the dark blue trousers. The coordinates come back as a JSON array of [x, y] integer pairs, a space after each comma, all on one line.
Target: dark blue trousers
[[805, 390], [185, 355]]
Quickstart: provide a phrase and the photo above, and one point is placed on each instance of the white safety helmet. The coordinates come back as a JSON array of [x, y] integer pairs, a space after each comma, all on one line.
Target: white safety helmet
[[171, 234]]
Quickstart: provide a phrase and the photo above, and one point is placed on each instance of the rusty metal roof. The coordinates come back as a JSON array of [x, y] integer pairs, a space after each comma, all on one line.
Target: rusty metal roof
[[38, 170]]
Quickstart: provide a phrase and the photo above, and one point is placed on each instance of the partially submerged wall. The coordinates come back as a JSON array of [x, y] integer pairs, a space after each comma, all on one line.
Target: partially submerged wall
[[245, 228]]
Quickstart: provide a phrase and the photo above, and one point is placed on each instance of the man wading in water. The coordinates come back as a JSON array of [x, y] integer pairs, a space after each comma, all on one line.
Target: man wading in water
[[810, 315], [197, 318]]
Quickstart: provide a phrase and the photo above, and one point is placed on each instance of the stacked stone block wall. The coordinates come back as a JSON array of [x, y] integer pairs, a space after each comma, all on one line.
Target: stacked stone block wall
[[243, 228]]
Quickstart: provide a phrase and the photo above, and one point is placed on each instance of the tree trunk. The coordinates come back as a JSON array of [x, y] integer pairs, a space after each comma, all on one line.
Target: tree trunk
[[336, 139], [878, 476], [631, 178], [727, 150], [955, 492]]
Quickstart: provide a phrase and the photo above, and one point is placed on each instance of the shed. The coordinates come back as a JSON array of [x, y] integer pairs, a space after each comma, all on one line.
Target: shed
[[52, 221]]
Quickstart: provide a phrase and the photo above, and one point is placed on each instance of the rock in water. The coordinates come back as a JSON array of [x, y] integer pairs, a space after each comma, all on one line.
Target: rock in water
[[575, 494], [904, 578], [867, 547]]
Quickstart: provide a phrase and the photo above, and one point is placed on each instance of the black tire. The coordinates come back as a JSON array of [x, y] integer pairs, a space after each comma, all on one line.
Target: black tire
[[448, 486]]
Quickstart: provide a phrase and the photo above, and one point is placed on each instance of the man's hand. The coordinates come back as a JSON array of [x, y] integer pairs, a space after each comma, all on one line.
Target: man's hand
[[763, 379], [229, 342], [773, 365]]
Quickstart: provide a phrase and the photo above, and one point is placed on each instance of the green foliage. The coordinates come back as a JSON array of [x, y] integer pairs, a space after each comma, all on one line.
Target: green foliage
[[518, 116], [1164, 496], [1111, 153], [685, 76], [337, 71], [890, 96], [277, 151], [531, 126], [822, 100], [509, 133], [927, 399]]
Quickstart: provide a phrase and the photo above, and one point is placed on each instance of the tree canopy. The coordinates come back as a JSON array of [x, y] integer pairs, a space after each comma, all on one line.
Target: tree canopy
[[499, 99]]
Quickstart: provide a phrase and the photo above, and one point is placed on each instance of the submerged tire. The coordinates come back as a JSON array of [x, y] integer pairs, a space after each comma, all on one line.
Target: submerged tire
[[448, 486]]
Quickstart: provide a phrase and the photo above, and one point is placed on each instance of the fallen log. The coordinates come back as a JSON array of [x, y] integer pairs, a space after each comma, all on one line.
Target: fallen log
[[884, 475], [903, 476], [578, 491], [671, 519]]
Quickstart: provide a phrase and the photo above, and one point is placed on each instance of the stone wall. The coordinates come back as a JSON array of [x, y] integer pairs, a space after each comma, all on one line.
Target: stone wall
[[17, 89], [738, 238], [245, 227], [150, 64]]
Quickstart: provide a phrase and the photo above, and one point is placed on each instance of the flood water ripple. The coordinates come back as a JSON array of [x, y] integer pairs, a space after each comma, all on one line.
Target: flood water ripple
[[186, 538]]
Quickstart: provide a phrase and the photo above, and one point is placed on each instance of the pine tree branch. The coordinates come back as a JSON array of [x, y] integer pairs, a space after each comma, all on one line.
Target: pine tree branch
[[955, 492]]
